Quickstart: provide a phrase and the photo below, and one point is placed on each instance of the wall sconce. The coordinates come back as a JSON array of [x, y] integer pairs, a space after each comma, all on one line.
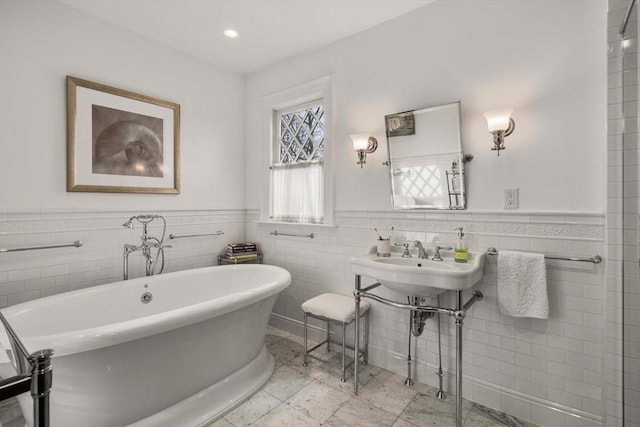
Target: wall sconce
[[500, 125], [363, 144]]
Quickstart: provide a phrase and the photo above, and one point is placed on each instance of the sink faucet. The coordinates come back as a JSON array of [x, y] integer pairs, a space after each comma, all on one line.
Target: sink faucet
[[436, 256], [421, 252]]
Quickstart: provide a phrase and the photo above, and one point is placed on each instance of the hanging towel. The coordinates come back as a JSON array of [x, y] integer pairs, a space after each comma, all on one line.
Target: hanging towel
[[522, 285]]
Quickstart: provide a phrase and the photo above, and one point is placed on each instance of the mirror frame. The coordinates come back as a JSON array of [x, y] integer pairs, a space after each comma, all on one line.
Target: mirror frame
[[462, 158]]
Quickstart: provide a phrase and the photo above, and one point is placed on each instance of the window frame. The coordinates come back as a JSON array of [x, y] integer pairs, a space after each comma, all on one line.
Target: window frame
[[319, 89]]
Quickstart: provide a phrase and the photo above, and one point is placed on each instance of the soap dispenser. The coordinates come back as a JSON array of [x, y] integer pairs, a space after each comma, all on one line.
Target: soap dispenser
[[460, 253]]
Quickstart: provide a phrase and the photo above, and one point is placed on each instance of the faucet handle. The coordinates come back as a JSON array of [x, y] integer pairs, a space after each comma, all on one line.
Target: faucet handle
[[436, 255], [406, 253]]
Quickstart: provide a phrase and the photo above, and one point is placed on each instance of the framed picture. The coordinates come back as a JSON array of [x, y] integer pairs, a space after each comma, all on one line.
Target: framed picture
[[401, 124], [121, 142]]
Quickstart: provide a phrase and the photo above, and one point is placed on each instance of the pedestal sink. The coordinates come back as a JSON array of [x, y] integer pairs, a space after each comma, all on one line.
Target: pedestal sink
[[420, 277]]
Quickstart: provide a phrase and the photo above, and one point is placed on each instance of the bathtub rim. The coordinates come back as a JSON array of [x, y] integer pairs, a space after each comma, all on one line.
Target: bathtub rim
[[81, 340]]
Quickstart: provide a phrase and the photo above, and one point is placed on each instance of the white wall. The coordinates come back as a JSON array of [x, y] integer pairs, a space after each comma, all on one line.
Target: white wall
[[545, 59], [43, 41], [40, 43]]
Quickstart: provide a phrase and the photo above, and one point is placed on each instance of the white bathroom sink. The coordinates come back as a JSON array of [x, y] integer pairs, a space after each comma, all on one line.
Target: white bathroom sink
[[420, 277]]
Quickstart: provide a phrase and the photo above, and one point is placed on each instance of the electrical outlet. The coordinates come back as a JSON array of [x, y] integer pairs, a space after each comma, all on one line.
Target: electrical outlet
[[511, 198]]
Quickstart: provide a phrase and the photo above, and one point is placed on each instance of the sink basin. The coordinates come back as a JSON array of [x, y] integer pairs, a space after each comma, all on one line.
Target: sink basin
[[420, 277]]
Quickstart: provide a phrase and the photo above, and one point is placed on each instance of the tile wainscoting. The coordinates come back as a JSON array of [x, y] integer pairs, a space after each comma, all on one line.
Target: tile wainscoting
[[549, 372], [27, 275]]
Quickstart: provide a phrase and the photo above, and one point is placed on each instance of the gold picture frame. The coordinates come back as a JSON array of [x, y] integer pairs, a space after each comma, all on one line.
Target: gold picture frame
[[120, 141]]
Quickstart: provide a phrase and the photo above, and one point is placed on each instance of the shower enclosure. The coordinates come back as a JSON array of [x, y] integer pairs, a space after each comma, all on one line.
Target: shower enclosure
[[623, 211]]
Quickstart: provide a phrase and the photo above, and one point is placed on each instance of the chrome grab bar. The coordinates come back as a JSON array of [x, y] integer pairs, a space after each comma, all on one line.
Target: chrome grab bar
[[275, 233], [76, 244], [38, 379], [217, 233], [596, 259]]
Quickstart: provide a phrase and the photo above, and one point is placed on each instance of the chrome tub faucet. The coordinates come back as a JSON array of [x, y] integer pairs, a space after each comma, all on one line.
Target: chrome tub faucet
[[147, 243]]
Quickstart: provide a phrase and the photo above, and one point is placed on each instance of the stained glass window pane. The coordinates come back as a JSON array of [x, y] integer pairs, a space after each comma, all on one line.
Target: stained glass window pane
[[301, 135]]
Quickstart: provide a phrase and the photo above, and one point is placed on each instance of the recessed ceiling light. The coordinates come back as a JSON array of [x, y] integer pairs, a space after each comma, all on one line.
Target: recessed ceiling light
[[232, 34]]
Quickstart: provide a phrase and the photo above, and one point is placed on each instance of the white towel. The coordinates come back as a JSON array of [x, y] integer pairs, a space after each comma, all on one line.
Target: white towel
[[522, 285]]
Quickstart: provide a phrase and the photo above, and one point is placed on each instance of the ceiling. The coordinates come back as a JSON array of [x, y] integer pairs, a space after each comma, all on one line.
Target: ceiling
[[269, 30]]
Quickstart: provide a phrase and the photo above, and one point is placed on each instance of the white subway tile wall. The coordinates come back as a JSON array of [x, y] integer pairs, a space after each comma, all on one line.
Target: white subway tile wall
[[538, 370], [26, 275], [621, 303]]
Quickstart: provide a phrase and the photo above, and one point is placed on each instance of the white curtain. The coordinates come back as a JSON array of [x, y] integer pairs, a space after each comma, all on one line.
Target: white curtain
[[297, 192]]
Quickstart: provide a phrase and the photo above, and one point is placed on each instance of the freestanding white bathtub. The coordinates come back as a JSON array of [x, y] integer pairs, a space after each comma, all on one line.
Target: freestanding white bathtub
[[178, 349]]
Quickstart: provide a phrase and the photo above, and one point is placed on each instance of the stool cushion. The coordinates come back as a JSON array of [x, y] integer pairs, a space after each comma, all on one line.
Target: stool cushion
[[333, 306]]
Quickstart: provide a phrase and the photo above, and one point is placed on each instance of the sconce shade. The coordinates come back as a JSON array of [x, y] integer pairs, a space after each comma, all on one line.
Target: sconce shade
[[360, 141], [363, 144], [498, 119]]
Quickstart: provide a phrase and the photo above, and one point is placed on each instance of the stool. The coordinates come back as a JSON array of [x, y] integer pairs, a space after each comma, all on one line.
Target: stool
[[339, 309]]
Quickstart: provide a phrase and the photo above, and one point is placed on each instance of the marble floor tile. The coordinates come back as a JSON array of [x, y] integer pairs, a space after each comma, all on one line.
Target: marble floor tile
[[286, 381], [285, 350], [314, 367], [389, 388], [286, 416], [258, 405], [360, 413], [222, 422], [318, 401], [427, 410]]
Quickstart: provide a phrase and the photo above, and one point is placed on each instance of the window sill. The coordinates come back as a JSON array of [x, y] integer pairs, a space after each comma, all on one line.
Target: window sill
[[299, 224]]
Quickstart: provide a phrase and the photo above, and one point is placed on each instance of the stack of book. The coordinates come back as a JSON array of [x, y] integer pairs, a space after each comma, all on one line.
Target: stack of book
[[241, 251]]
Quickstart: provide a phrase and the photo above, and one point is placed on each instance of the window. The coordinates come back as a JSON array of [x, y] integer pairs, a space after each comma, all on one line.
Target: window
[[298, 180], [297, 172]]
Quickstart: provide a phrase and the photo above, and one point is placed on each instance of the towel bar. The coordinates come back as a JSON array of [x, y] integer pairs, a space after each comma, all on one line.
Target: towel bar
[[217, 233], [76, 244], [275, 233], [596, 259]]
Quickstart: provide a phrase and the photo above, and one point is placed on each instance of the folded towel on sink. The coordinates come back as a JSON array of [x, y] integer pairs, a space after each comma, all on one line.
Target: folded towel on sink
[[522, 285]]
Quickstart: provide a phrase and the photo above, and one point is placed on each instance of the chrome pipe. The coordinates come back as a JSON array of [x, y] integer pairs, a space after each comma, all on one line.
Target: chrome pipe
[[13, 386], [426, 308], [75, 244], [475, 296], [14, 339], [41, 383], [356, 344], [409, 380]]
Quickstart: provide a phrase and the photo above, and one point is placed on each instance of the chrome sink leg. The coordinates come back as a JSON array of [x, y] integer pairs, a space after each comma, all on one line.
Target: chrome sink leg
[[440, 394], [459, 322], [356, 344]]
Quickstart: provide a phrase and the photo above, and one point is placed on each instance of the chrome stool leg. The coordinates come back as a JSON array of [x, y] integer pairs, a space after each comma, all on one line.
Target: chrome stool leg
[[365, 353], [344, 352], [328, 336], [304, 358]]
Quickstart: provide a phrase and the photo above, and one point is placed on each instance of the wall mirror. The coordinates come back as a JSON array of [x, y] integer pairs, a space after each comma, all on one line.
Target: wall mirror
[[426, 162]]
